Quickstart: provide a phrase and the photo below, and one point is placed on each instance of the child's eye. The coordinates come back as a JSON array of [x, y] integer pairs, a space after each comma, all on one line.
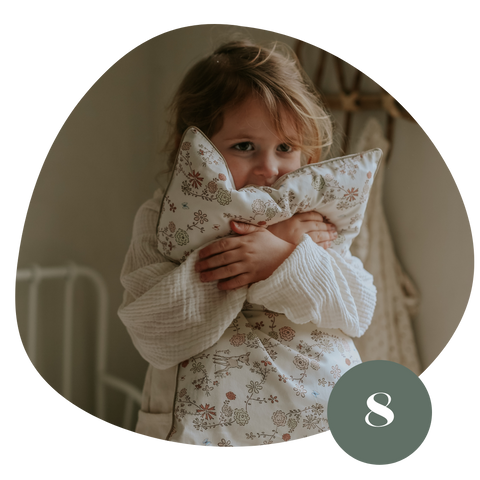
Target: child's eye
[[244, 146], [249, 146], [285, 148]]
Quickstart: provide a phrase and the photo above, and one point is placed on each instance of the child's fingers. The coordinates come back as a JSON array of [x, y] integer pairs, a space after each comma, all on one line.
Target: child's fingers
[[218, 260], [234, 283], [323, 229], [215, 248], [315, 217], [244, 228], [309, 216], [221, 273], [322, 236], [325, 244]]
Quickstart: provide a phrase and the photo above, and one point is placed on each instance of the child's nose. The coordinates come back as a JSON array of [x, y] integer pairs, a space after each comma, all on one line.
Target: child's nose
[[267, 165]]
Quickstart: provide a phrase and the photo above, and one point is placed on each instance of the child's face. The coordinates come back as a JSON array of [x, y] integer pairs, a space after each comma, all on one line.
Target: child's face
[[254, 153]]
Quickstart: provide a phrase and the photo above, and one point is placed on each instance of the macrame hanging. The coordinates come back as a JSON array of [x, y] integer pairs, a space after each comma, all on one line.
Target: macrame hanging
[[390, 335]]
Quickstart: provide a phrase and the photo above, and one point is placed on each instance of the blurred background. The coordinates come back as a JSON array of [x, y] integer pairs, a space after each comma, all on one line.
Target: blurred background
[[102, 167]]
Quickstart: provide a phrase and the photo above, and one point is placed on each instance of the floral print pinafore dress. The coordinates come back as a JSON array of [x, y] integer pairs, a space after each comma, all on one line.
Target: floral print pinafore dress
[[266, 380]]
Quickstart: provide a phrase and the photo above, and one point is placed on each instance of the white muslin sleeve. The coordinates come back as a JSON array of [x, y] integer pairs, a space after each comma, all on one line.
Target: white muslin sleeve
[[168, 312], [319, 286]]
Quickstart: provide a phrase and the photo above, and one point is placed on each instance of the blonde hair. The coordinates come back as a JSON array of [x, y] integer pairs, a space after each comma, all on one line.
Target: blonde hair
[[235, 71]]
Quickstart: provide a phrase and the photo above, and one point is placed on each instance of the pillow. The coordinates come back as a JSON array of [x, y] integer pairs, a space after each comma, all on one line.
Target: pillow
[[201, 198]]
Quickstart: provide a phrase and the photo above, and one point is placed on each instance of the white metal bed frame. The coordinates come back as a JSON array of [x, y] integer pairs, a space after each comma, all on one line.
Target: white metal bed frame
[[35, 275]]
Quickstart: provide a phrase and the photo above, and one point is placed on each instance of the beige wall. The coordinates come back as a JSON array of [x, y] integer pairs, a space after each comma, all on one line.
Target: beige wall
[[101, 168]]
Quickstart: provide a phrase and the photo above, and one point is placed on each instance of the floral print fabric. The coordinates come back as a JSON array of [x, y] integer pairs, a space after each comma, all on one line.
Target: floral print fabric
[[201, 198], [265, 381]]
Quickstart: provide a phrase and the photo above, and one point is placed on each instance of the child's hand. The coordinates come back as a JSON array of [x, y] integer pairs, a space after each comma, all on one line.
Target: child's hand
[[238, 261], [312, 223]]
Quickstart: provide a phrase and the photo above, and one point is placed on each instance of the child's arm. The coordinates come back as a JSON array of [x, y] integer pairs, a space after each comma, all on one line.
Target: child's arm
[[235, 262], [169, 314], [311, 223], [253, 256], [319, 286], [309, 284]]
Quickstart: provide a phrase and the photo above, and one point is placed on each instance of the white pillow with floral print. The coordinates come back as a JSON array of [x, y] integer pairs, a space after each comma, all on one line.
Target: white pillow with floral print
[[201, 198]]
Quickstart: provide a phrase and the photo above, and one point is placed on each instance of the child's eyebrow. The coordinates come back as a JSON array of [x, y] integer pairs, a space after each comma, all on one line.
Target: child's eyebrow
[[241, 134], [247, 136]]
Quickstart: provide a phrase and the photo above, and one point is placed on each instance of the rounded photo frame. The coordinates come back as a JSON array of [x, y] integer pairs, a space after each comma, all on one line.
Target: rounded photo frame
[[84, 133]]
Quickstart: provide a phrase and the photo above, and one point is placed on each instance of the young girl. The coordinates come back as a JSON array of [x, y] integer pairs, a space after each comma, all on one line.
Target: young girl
[[221, 373]]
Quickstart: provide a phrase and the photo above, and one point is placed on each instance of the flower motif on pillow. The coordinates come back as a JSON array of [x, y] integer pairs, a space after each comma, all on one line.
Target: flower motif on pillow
[[201, 198]]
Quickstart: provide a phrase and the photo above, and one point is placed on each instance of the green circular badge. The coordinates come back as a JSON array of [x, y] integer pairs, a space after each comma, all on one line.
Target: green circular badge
[[379, 412]]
